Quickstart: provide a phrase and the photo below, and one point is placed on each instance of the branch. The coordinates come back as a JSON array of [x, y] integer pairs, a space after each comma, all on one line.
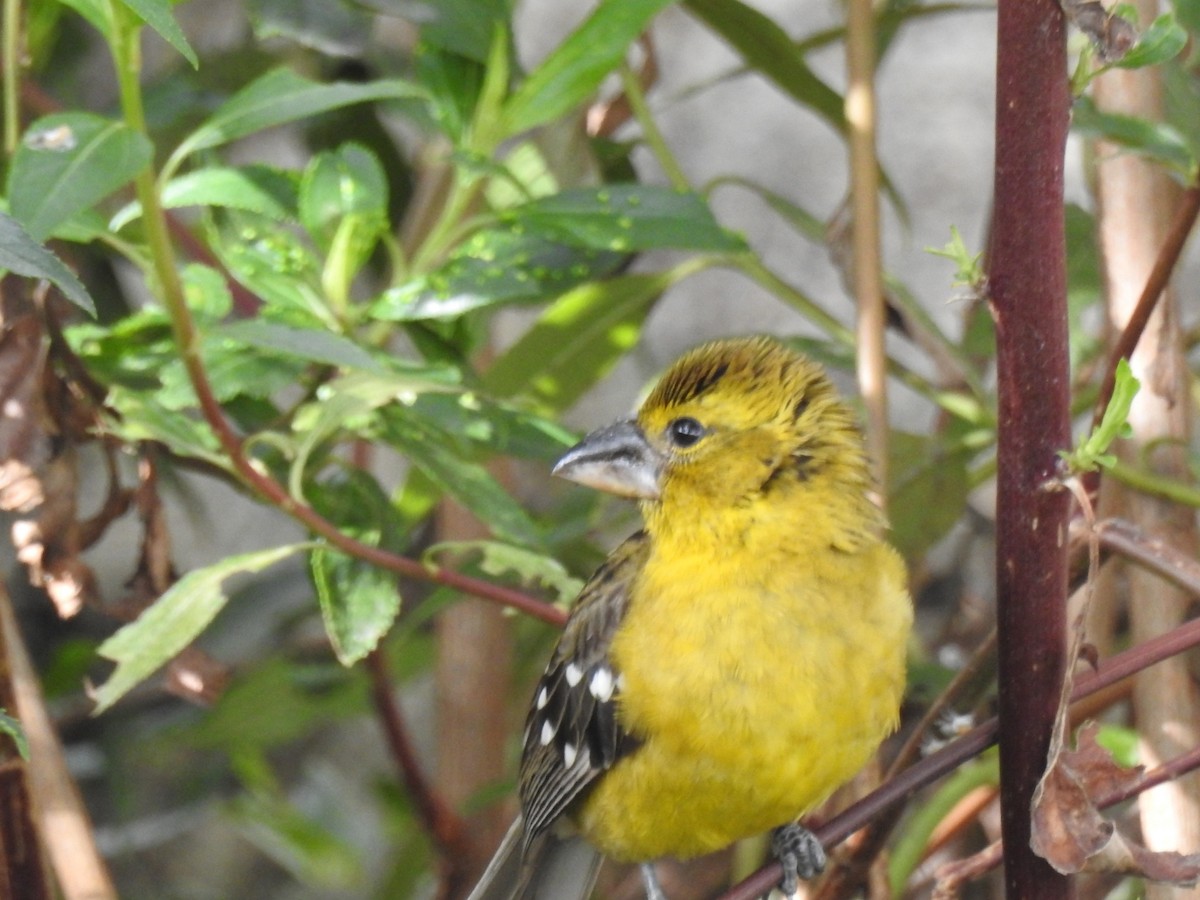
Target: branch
[[1027, 278], [1156, 283], [444, 826]]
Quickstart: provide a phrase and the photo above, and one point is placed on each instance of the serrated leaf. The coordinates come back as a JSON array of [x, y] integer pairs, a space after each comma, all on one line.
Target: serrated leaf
[[22, 255], [174, 621], [279, 97], [625, 218], [66, 163], [577, 339], [767, 49], [494, 267], [358, 601], [500, 560], [1155, 140], [574, 70], [157, 14], [140, 417], [260, 189]]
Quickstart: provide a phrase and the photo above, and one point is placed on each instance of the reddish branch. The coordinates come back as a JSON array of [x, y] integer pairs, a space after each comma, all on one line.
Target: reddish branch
[[1027, 278], [1156, 283], [443, 825]]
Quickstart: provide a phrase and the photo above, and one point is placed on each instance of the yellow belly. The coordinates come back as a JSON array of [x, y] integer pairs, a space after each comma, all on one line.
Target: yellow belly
[[756, 710]]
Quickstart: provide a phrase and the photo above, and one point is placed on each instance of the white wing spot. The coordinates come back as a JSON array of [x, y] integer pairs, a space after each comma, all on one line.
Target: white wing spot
[[548, 729], [574, 674], [602, 684], [543, 698], [569, 753]]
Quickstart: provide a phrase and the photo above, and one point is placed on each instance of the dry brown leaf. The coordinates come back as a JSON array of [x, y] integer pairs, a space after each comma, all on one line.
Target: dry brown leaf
[[1110, 34], [1071, 834]]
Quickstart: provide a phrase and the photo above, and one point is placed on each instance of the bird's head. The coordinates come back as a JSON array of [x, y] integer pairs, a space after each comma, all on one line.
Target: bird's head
[[729, 424]]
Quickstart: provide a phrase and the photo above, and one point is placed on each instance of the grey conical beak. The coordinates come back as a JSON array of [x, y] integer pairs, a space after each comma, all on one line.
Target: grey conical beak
[[617, 459]]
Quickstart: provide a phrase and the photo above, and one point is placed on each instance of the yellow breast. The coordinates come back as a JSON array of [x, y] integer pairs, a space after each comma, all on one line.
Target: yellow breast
[[757, 685]]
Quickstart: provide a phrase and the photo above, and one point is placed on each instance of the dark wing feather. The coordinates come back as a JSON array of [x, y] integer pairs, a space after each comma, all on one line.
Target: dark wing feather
[[572, 734]]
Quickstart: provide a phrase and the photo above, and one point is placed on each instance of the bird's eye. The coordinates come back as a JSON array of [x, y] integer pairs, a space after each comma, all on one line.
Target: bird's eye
[[684, 431]]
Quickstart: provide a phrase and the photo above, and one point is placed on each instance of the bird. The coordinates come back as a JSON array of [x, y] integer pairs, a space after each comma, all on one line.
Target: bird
[[733, 662]]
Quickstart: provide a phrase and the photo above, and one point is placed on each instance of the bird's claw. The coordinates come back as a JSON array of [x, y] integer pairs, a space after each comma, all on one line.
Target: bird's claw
[[800, 854]]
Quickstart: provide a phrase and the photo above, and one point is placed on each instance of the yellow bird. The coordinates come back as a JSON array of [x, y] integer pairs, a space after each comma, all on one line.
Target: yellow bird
[[733, 663]]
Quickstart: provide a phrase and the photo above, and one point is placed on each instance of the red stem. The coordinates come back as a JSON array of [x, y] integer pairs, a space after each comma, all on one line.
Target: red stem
[[443, 825], [1027, 278]]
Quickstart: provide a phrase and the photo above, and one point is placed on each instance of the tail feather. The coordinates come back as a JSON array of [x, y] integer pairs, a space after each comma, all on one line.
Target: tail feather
[[552, 868]]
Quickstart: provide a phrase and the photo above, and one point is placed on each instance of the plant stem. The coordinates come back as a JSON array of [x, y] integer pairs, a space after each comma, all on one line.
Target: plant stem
[[650, 131], [1027, 275], [866, 266], [12, 76]]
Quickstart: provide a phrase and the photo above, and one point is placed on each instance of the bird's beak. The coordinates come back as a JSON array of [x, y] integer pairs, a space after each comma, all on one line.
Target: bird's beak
[[617, 459]]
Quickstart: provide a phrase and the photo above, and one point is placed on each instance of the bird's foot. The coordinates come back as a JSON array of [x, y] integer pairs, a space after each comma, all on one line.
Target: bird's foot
[[654, 890], [800, 854]]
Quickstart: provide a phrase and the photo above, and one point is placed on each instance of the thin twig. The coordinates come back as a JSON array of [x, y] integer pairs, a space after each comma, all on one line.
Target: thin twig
[[443, 824], [1156, 283]]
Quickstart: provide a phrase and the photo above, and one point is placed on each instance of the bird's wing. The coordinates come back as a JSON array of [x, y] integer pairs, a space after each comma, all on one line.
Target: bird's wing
[[572, 734]]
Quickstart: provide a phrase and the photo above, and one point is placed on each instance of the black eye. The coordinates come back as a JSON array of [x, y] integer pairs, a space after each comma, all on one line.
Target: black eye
[[684, 431]]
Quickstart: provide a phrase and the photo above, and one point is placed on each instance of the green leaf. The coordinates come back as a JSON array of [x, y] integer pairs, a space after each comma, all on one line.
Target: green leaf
[[1151, 139], [157, 14], [1092, 453], [279, 97], [929, 487], [277, 265], [574, 70], [334, 27], [767, 49], [259, 189], [284, 699], [500, 560], [463, 27], [577, 339], [493, 267], [206, 291], [359, 602], [810, 226], [22, 255], [625, 218], [1162, 41], [141, 417], [92, 10], [66, 163], [441, 457], [304, 847], [174, 621], [12, 727], [309, 344], [339, 183]]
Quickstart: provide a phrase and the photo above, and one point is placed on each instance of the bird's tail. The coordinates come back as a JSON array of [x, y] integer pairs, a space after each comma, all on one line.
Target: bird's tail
[[552, 868]]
